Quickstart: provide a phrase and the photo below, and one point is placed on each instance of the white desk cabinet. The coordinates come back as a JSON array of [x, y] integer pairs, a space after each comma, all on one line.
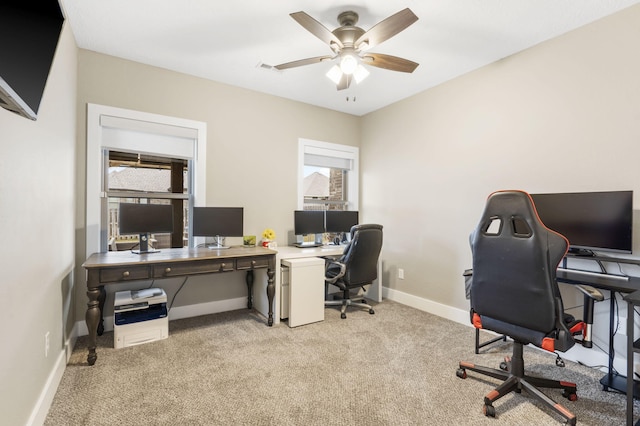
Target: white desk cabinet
[[306, 290]]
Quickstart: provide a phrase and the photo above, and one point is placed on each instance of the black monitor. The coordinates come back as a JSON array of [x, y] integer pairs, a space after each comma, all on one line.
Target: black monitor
[[340, 221], [589, 220], [145, 219], [218, 222], [308, 222]]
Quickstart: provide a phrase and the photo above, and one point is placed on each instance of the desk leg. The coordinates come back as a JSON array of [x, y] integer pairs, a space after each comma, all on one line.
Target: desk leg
[[92, 318], [271, 292], [249, 280], [630, 352], [101, 298]]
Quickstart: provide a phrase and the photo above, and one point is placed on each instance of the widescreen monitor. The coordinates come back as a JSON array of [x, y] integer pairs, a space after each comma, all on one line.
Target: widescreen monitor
[[218, 222], [589, 220], [145, 219], [308, 222], [340, 221]]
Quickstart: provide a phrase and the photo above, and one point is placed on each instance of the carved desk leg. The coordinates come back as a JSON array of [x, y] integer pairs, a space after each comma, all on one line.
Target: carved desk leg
[[101, 298], [271, 291], [92, 317], [249, 280]]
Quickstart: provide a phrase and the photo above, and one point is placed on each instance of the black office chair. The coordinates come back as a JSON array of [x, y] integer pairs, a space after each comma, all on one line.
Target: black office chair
[[515, 293], [357, 267]]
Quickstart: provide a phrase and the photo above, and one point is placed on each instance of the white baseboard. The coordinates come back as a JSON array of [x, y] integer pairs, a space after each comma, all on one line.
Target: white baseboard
[[39, 413], [454, 314], [178, 312]]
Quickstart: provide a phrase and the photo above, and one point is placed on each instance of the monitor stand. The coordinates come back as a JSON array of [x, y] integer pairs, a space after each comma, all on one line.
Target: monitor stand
[[317, 241], [144, 245], [218, 243], [581, 252]]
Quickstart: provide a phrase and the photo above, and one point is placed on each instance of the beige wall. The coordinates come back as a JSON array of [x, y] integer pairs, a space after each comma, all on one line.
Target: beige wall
[[252, 141], [562, 116], [37, 193]]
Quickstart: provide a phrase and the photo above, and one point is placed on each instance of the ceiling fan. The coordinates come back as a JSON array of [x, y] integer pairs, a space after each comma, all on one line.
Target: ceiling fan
[[350, 45]]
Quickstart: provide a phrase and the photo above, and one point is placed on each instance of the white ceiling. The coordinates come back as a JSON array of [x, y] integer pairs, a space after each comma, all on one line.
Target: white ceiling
[[227, 41]]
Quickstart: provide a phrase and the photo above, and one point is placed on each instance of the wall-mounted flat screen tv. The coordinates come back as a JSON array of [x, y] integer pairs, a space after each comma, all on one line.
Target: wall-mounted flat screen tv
[[29, 33], [591, 221]]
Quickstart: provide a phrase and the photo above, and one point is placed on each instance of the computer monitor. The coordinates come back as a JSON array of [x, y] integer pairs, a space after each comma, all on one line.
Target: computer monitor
[[591, 221], [340, 222], [219, 223], [308, 222], [145, 219]]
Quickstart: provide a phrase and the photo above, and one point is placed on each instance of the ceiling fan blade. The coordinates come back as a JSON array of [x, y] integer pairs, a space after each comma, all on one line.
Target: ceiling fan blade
[[302, 62], [387, 28], [316, 28], [345, 81], [389, 62]]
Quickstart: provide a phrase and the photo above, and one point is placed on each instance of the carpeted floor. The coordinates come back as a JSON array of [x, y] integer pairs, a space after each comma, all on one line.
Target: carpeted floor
[[396, 367]]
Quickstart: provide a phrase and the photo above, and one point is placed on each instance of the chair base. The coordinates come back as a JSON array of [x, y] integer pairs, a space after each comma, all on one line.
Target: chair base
[[348, 302], [514, 380]]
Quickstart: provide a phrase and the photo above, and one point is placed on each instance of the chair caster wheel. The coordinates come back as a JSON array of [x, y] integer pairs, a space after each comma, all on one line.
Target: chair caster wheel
[[489, 410], [504, 366], [462, 373], [343, 316], [571, 396], [371, 311]]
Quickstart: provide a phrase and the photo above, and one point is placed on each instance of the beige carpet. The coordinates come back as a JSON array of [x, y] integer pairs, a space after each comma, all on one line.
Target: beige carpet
[[396, 367]]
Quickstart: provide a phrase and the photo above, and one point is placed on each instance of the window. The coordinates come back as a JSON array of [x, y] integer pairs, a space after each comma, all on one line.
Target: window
[[141, 179], [327, 176], [117, 138]]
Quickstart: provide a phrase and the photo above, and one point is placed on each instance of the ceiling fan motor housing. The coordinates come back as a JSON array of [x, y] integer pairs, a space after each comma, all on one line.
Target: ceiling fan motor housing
[[347, 32]]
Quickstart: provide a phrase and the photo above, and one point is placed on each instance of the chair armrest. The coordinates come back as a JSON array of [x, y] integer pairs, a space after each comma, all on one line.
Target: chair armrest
[[342, 266], [591, 292]]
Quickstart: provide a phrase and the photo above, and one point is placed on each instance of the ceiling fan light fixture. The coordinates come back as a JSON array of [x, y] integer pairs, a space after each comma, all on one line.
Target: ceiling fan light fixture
[[360, 73], [348, 64], [335, 74]]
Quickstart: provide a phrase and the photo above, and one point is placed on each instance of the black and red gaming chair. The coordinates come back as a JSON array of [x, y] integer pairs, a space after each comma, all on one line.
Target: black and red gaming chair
[[515, 293]]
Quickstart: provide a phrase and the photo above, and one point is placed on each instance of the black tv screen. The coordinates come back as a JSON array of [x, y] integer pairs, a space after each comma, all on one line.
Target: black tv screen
[[590, 220], [29, 33], [340, 221], [145, 218], [218, 221], [308, 222]]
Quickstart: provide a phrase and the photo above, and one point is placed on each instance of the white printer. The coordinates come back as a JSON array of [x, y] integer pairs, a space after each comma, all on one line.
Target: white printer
[[139, 316]]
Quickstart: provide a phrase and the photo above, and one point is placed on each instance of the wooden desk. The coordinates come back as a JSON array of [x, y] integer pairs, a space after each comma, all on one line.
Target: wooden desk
[[118, 267]]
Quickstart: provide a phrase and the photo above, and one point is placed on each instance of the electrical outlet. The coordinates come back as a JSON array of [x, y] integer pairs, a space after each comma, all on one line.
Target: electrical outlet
[[46, 344], [401, 273]]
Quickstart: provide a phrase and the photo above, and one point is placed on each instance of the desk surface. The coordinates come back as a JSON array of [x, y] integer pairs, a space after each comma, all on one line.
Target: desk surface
[[173, 255], [290, 252], [601, 281]]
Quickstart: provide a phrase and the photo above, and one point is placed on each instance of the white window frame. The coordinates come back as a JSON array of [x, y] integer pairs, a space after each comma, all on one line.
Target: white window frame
[[340, 152], [173, 137]]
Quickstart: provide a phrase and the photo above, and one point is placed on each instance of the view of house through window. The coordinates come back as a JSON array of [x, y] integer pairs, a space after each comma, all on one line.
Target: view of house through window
[[324, 188], [138, 178]]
